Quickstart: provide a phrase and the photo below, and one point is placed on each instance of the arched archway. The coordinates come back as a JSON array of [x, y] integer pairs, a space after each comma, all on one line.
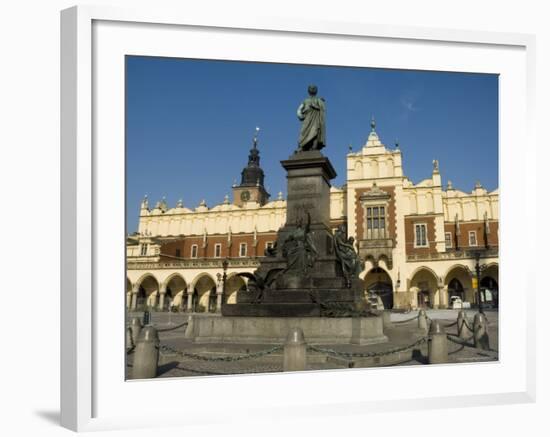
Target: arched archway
[[205, 294], [458, 281], [128, 293], [175, 296], [233, 284], [456, 288], [425, 282], [148, 292], [378, 281], [489, 285]]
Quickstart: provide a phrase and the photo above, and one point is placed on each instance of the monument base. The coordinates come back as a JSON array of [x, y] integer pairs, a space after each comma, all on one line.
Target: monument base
[[274, 330]]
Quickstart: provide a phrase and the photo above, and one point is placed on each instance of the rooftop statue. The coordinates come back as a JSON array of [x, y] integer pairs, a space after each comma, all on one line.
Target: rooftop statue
[[311, 113]]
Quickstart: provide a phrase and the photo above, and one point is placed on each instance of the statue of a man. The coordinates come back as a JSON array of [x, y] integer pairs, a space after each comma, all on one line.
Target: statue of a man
[[312, 115]]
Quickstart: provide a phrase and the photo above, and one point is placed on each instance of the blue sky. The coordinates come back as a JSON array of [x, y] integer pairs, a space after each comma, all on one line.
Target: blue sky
[[190, 124]]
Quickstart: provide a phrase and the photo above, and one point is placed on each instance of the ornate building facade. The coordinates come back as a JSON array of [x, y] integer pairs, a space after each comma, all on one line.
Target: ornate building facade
[[420, 242]]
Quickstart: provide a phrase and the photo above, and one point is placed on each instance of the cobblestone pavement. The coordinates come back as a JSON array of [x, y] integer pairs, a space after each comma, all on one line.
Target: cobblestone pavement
[[400, 334]]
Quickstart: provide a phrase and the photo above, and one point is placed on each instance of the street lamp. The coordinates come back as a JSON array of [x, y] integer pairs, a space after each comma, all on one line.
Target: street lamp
[[225, 264], [478, 275]]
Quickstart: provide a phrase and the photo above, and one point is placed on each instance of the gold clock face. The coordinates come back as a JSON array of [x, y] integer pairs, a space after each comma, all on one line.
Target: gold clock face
[[245, 196]]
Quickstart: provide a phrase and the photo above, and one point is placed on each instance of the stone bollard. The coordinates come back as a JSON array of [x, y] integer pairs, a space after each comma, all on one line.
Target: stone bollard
[[386, 319], [481, 336], [462, 328], [135, 328], [190, 327], [423, 321], [146, 357], [438, 351], [294, 351]]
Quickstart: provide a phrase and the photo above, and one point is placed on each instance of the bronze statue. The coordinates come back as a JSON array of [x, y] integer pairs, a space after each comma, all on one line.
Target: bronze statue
[[351, 263], [299, 250], [311, 113]]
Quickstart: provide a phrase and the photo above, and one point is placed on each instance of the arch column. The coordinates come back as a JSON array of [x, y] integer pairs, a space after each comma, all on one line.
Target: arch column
[[219, 296], [162, 294], [190, 288], [135, 291], [442, 296], [432, 294]]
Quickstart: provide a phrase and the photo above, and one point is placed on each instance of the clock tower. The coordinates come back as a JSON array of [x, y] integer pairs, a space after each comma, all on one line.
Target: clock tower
[[252, 187]]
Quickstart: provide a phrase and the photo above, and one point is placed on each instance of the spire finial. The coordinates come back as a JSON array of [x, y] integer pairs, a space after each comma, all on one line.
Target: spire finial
[[255, 141], [372, 123]]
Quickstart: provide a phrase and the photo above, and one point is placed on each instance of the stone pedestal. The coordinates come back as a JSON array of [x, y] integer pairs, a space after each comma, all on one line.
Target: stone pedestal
[[274, 330], [291, 292]]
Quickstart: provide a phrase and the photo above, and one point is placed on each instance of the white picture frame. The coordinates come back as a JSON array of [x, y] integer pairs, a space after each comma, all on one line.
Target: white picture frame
[[93, 396]]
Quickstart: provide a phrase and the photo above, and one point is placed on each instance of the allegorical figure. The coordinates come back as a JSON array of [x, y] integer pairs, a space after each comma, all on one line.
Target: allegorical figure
[[311, 113], [299, 249], [351, 263]]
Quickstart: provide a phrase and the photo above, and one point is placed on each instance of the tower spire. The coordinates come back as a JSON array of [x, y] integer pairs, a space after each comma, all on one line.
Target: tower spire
[[251, 187], [255, 141]]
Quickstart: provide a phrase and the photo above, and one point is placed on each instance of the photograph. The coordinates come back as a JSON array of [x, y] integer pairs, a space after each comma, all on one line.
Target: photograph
[[294, 217]]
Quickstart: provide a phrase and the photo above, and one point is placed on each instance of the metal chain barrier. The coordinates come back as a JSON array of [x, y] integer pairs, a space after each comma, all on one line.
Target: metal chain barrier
[[366, 354], [229, 358], [407, 320], [459, 341], [173, 328], [450, 325]]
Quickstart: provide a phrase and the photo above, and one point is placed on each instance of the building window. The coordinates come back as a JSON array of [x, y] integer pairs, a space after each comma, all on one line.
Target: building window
[[420, 232], [144, 248], [472, 238], [178, 253], [194, 251], [242, 250], [376, 222], [269, 245], [448, 240], [217, 250]]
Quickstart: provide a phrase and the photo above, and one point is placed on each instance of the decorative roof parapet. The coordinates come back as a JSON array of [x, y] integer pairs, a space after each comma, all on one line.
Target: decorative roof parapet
[[374, 193]]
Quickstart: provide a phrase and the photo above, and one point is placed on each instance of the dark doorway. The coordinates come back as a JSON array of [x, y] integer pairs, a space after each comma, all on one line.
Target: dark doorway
[[489, 291], [381, 285], [384, 291], [456, 289], [424, 299]]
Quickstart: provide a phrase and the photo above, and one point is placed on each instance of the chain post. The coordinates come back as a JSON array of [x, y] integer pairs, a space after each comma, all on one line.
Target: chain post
[[423, 321], [135, 328], [146, 357], [438, 352], [295, 354], [481, 337]]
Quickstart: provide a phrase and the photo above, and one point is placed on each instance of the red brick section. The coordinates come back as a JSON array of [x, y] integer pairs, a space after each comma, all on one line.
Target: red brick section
[[477, 226], [185, 243], [360, 214], [410, 236]]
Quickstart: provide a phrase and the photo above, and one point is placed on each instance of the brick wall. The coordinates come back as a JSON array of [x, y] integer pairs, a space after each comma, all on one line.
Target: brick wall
[[466, 227], [185, 243], [410, 236]]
